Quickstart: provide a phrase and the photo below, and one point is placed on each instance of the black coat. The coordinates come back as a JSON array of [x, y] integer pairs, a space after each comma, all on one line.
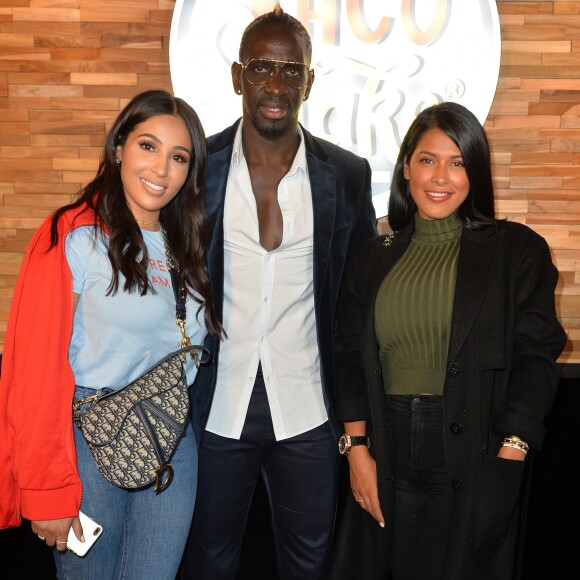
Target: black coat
[[501, 379]]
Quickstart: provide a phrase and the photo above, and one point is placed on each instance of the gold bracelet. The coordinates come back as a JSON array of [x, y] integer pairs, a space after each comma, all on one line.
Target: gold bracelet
[[516, 443]]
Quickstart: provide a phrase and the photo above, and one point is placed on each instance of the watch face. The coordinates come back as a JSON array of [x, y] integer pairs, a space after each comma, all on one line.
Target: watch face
[[343, 445]]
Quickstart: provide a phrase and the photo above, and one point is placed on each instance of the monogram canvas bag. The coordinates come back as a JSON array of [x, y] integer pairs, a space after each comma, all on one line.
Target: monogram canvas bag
[[133, 432]]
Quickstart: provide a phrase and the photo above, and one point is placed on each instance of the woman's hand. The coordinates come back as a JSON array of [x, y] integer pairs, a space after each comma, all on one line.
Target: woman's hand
[[363, 481], [55, 532], [511, 453]]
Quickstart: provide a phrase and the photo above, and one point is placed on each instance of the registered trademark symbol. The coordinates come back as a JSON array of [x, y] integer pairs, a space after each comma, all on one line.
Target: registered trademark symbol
[[454, 89]]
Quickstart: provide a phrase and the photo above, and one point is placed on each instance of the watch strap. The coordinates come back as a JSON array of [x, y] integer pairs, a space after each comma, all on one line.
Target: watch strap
[[359, 440]]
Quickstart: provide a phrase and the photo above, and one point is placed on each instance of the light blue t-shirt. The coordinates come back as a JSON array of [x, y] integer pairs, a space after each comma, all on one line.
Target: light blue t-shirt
[[116, 338]]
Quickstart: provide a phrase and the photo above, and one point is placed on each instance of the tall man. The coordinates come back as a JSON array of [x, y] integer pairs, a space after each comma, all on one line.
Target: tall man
[[286, 209]]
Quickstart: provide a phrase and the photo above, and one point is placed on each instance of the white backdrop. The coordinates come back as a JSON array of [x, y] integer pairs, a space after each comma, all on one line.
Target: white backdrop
[[377, 64]]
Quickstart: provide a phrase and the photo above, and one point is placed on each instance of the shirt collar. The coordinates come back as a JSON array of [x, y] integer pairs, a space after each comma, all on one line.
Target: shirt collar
[[299, 162]]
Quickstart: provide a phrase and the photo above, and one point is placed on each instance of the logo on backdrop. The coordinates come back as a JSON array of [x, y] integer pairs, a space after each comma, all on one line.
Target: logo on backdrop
[[377, 65]]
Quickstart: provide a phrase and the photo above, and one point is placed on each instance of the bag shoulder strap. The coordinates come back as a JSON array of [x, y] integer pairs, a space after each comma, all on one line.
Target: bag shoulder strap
[[180, 294]]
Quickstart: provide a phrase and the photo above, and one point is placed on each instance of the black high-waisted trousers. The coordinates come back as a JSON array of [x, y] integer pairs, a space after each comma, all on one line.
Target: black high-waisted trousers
[[421, 491]]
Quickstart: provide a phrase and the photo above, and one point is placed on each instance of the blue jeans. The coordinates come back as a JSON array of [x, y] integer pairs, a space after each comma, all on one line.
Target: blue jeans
[[144, 534]]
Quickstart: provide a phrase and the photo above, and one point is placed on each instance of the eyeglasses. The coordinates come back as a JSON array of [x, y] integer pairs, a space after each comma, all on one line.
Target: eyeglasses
[[259, 71]]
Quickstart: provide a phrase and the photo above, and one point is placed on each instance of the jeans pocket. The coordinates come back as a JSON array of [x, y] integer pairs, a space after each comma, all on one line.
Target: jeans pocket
[[499, 494]]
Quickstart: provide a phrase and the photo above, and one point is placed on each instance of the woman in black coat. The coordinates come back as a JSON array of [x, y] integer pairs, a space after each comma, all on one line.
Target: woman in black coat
[[446, 370]]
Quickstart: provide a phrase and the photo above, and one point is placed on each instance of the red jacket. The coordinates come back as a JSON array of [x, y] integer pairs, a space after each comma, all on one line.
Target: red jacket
[[38, 466]]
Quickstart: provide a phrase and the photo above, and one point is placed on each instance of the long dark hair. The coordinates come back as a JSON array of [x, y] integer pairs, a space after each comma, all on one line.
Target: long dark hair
[[464, 129], [184, 218]]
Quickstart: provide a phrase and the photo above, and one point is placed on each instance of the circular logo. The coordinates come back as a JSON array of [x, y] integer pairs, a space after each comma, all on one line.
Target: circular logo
[[377, 65]]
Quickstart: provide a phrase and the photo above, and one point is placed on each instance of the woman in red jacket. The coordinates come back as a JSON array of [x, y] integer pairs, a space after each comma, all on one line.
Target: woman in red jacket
[[93, 309]]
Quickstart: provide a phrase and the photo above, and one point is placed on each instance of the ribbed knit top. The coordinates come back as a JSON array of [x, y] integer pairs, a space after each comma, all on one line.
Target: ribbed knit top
[[414, 307]]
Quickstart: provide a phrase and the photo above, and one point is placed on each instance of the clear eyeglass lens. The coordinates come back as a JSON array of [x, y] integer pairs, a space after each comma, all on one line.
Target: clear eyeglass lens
[[258, 71]]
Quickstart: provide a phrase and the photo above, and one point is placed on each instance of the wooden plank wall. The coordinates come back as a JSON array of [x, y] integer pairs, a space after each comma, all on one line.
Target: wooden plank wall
[[68, 66]]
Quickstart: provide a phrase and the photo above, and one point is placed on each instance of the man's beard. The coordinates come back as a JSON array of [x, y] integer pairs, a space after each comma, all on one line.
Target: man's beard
[[270, 132]]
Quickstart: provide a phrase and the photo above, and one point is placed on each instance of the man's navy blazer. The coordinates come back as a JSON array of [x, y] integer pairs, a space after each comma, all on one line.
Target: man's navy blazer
[[344, 216]]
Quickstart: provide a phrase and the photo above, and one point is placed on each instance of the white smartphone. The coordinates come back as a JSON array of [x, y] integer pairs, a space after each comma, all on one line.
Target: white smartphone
[[91, 531]]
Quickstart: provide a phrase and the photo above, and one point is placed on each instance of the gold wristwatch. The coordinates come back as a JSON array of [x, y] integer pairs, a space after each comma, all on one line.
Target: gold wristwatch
[[346, 442]]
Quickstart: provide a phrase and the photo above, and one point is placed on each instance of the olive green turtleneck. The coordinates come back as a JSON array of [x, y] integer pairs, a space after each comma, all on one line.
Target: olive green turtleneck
[[414, 307]]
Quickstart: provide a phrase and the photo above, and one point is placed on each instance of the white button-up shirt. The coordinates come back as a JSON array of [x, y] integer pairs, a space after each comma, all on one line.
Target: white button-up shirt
[[268, 308]]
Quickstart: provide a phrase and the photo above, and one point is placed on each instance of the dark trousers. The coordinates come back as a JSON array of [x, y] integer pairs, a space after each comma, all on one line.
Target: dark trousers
[[421, 489], [301, 480]]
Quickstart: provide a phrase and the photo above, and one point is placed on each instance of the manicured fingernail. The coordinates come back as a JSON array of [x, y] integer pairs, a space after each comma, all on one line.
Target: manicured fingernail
[[82, 539], [382, 524]]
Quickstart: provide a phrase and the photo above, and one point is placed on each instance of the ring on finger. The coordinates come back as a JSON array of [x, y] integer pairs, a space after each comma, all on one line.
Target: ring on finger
[[360, 500], [41, 538], [61, 542]]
